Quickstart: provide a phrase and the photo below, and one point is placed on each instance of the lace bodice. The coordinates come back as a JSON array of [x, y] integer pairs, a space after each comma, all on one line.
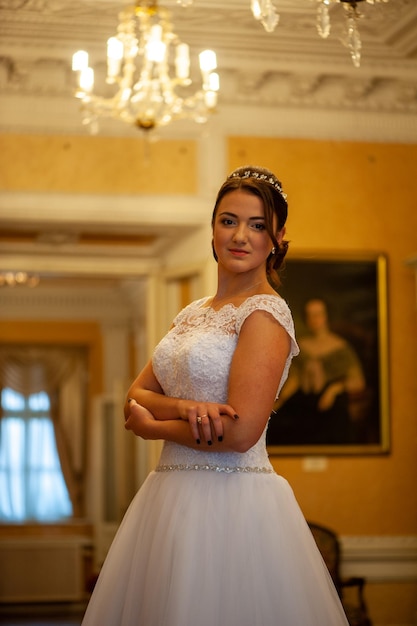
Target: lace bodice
[[193, 361]]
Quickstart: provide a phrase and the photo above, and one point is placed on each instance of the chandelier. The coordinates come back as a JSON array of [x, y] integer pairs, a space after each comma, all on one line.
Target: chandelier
[[265, 12], [353, 39], [149, 68], [18, 279]]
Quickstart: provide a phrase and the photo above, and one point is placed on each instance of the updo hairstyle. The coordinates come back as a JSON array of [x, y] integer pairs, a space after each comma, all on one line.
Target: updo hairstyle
[[265, 185]]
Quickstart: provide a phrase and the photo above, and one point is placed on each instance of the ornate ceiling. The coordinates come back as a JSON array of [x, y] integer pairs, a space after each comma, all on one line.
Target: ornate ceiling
[[291, 67]]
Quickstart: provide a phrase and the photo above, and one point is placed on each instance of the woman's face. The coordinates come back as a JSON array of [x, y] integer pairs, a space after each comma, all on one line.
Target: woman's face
[[316, 315], [240, 238]]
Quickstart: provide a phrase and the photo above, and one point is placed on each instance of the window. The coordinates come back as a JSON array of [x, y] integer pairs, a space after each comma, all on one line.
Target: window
[[32, 486]]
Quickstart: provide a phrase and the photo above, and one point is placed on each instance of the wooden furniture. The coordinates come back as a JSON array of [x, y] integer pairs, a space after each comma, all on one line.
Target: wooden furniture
[[354, 603]]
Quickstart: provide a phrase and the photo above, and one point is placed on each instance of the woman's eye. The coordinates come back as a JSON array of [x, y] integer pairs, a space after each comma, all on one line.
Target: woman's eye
[[227, 221], [259, 226]]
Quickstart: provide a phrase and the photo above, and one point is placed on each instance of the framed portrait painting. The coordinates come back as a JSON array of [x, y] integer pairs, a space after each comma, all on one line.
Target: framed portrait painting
[[335, 400]]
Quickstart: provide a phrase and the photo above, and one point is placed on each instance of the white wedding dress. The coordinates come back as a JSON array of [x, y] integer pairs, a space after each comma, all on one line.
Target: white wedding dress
[[212, 538]]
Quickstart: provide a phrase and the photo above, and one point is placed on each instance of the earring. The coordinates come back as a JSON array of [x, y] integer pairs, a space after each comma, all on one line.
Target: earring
[[273, 250]]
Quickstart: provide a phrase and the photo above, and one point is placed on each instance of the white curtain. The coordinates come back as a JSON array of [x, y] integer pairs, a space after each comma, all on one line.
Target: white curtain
[[61, 373], [32, 485]]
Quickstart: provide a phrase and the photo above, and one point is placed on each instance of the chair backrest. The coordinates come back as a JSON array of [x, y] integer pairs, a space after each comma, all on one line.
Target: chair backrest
[[328, 544]]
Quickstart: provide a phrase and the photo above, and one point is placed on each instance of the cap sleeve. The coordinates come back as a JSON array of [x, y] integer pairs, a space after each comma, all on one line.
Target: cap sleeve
[[277, 307]]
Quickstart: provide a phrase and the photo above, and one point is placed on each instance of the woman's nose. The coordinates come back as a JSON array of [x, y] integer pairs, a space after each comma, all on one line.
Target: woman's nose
[[241, 233]]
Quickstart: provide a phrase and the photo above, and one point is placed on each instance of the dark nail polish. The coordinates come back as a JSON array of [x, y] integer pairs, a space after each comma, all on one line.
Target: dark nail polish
[[197, 441], [236, 416], [209, 442], [220, 438]]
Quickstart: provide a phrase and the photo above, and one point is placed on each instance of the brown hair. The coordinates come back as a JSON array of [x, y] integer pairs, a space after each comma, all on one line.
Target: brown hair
[[265, 185]]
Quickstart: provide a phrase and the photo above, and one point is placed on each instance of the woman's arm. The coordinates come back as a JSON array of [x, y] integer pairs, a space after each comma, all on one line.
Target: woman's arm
[[147, 392], [143, 424], [292, 385], [256, 370]]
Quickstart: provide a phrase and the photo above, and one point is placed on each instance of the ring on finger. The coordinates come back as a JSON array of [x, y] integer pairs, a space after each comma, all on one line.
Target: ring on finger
[[199, 420]]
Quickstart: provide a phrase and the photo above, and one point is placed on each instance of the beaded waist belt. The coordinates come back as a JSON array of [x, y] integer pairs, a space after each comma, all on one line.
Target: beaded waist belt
[[214, 468]]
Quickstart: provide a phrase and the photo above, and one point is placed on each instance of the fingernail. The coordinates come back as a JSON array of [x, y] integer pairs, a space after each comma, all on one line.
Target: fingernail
[[236, 416], [220, 438], [210, 442], [197, 441]]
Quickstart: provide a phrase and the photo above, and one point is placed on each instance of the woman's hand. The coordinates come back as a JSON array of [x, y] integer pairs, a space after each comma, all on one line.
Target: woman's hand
[[138, 419], [204, 418], [144, 424], [329, 395]]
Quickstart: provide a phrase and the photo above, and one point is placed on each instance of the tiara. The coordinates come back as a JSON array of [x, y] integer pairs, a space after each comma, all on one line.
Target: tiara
[[262, 177]]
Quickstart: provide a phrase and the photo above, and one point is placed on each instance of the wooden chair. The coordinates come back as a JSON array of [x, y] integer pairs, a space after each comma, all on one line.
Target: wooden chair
[[329, 546]]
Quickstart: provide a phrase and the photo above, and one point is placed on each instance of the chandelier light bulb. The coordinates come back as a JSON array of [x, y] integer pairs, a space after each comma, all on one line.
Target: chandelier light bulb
[[85, 74], [86, 80], [155, 48], [114, 49], [182, 61], [210, 98], [18, 279], [214, 82], [208, 60], [21, 277], [79, 60], [114, 58]]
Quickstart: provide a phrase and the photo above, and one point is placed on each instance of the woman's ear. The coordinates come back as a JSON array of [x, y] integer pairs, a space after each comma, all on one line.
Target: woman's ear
[[280, 234]]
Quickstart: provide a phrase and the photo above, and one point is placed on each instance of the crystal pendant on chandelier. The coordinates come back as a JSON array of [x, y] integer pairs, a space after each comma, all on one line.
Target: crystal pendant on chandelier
[[354, 43], [353, 39], [266, 13], [323, 19], [150, 69]]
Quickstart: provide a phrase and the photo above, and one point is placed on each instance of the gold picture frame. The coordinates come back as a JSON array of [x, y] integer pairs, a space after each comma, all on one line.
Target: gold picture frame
[[336, 399]]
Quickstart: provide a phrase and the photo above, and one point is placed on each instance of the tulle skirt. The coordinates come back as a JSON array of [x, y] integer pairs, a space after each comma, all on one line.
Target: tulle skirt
[[204, 548]]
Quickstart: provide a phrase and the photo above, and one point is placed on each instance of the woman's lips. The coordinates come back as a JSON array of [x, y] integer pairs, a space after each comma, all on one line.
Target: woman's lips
[[236, 252]]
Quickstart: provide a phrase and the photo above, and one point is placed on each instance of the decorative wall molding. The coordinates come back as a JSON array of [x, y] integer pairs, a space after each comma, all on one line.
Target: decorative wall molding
[[380, 558], [103, 304], [48, 77]]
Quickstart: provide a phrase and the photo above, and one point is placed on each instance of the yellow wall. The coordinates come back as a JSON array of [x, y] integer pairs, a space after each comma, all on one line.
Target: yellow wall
[[97, 165], [357, 197]]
